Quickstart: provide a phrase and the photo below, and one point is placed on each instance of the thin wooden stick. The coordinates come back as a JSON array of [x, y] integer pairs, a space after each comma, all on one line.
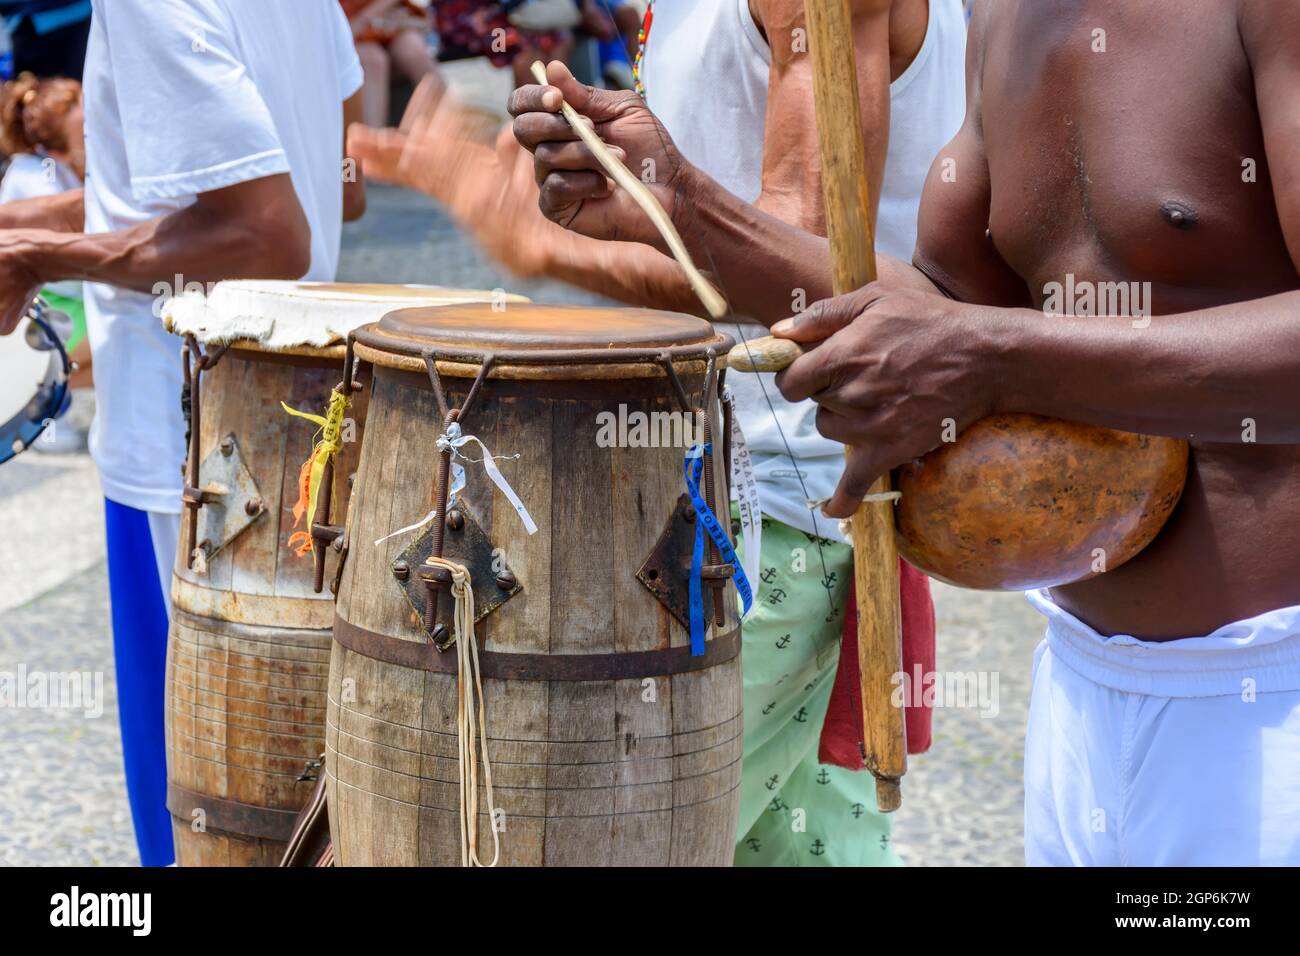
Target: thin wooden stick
[[713, 301], [765, 354]]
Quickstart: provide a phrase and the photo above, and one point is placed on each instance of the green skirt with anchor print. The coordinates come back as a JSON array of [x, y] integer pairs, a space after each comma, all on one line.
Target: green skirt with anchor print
[[794, 810]]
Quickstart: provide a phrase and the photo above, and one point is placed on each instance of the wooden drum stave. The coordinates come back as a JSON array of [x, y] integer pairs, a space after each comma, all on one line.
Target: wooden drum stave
[[248, 652], [609, 743]]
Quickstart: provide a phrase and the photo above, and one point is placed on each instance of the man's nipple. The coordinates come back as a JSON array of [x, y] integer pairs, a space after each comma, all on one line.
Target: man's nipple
[[1179, 215]]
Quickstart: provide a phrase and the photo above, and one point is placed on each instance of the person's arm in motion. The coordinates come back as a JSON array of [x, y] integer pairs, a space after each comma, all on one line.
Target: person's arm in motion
[[506, 221], [354, 176], [255, 229]]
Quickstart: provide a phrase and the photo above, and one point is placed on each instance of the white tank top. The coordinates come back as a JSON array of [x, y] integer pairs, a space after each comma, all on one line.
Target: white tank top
[[705, 72]]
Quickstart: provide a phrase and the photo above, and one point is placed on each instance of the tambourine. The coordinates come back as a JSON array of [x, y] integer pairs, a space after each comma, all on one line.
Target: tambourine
[[34, 373]]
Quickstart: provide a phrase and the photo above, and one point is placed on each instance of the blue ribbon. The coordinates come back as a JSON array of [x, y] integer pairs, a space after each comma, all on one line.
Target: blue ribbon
[[707, 521]]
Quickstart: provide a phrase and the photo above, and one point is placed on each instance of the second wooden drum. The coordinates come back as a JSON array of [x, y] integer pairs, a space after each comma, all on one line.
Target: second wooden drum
[[610, 743], [248, 651]]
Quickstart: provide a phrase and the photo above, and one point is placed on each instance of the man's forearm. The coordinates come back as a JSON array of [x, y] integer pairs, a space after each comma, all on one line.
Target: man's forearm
[[1217, 375], [65, 212], [766, 267], [193, 243]]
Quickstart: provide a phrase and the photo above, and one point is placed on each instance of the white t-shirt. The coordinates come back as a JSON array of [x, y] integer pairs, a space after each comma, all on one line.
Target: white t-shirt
[[715, 45], [185, 97], [33, 176]]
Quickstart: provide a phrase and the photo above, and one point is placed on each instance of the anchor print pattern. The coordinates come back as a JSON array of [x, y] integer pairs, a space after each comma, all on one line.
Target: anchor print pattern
[[794, 810]]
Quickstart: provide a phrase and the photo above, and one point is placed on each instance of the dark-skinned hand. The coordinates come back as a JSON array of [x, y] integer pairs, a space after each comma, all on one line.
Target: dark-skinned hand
[[894, 372], [575, 191], [18, 287]]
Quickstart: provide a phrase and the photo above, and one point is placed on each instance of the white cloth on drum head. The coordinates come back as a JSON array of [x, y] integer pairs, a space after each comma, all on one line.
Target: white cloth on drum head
[[285, 315]]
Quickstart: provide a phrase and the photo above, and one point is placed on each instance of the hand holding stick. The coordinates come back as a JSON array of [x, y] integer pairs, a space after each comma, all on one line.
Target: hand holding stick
[[713, 301]]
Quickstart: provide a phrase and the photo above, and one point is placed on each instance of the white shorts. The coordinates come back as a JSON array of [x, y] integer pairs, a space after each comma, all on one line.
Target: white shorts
[[1182, 753]]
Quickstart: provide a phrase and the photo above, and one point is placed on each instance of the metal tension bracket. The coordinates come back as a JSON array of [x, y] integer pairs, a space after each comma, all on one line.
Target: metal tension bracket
[[220, 497], [324, 533], [666, 572], [423, 583]]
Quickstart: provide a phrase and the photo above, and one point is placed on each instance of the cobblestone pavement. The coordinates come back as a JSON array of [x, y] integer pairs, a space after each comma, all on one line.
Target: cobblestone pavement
[[61, 788]]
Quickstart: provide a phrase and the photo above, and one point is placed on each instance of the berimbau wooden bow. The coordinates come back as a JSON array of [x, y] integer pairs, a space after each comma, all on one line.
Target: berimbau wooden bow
[[849, 228]]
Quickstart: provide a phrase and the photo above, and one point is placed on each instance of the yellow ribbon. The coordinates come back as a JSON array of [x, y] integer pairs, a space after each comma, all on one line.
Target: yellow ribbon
[[313, 469]]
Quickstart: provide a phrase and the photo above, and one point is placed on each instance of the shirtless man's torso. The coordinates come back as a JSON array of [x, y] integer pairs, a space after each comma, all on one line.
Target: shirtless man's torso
[[1144, 161]]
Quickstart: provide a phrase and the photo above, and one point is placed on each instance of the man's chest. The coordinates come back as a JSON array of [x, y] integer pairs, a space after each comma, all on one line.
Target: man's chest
[[1124, 139]]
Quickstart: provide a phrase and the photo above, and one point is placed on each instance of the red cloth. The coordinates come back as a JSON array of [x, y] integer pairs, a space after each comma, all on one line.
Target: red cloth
[[841, 743]]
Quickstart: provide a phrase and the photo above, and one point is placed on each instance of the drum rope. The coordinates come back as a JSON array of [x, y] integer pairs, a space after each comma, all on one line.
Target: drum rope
[[471, 724]]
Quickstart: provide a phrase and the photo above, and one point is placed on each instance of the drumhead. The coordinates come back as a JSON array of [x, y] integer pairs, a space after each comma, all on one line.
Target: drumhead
[[283, 316], [529, 334]]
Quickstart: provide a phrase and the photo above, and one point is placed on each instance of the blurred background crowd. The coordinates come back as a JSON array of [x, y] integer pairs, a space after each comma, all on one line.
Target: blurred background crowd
[[476, 49]]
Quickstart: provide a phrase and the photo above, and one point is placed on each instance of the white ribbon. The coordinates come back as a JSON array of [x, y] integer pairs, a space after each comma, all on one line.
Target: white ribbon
[[453, 441], [744, 488], [866, 499], [410, 527], [846, 524]]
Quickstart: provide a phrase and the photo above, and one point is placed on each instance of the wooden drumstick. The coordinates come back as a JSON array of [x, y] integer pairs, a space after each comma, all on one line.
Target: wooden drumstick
[[848, 219], [713, 301]]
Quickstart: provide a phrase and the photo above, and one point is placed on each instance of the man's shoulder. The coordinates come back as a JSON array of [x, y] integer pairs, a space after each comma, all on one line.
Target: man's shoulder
[[1260, 17]]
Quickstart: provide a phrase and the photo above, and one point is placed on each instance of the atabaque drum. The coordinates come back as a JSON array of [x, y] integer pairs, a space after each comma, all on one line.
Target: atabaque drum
[[248, 651], [545, 451]]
